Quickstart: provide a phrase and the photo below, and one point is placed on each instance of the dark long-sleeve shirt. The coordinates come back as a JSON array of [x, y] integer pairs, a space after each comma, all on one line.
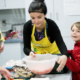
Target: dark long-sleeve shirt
[[52, 31]]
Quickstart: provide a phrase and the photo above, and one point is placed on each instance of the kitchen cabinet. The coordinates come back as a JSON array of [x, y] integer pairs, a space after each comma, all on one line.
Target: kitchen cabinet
[[64, 22], [49, 4], [1, 2], [27, 3], [50, 9], [12, 4], [12, 51]]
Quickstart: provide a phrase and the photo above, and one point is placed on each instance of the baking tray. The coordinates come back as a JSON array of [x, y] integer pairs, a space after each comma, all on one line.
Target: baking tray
[[25, 78]]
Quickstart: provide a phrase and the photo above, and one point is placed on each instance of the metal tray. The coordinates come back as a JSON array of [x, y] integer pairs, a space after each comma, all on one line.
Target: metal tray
[[25, 78]]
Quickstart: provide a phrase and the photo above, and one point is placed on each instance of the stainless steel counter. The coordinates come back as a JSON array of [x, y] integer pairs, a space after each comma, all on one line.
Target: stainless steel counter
[[13, 40], [66, 76]]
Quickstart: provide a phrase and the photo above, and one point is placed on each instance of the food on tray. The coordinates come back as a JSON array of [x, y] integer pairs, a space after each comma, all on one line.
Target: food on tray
[[21, 72], [16, 75]]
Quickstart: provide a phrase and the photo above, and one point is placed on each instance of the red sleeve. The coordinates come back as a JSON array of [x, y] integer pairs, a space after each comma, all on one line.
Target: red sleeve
[[69, 51], [74, 66]]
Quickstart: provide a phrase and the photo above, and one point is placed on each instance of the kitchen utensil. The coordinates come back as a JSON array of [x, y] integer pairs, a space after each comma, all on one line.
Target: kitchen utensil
[[41, 62]]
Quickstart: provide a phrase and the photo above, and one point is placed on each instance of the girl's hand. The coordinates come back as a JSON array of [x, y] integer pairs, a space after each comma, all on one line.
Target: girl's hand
[[5, 73], [62, 61], [32, 54]]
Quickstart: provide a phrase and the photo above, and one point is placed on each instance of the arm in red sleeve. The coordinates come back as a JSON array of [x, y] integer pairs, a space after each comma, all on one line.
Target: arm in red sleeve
[[74, 66], [69, 51]]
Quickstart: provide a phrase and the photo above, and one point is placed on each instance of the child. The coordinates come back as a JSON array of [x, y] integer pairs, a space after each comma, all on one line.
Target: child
[[74, 63], [3, 71]]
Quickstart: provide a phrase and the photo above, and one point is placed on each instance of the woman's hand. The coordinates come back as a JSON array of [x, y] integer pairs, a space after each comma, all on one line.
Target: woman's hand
[[32, 54], [4, 72], [43, 72], [62, 61]]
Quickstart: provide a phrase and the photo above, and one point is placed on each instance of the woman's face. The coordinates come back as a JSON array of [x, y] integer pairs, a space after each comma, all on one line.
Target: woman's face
[[38, 19], [75, 34]]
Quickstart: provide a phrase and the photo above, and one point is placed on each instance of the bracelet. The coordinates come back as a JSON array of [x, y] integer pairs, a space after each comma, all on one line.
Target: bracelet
[[33, 52]]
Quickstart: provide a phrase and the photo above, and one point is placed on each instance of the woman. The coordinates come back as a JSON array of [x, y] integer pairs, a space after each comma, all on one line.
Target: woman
[[1, 42], [42, 35]]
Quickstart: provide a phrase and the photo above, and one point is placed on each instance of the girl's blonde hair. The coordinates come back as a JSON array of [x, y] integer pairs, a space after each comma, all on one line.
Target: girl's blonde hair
[[77, 24]]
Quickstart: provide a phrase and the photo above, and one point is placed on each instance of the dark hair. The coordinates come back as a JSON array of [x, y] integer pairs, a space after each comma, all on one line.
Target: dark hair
[[38, 6]]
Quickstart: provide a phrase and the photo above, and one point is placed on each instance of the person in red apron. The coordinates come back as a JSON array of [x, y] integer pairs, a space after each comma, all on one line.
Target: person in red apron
[[42, 35]]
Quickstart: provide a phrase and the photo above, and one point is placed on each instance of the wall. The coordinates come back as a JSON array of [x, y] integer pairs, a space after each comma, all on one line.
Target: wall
[[64, 22], [12, 16], [12, 51]]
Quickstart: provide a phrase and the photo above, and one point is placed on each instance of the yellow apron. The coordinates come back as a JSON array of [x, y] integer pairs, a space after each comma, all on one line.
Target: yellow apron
[[2, 38], [43, 46]]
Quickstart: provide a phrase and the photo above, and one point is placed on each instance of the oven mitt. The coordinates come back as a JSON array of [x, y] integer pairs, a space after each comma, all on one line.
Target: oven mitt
[[65, 69]]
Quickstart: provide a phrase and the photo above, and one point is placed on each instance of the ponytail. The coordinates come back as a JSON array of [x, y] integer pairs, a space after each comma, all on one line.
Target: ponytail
[[38, 6]]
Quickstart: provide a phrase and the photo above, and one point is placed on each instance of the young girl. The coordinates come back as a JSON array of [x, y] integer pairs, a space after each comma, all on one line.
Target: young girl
[[43, 34], [74, 63]]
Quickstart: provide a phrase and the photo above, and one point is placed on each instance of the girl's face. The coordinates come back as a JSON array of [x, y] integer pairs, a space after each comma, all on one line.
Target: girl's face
[[38, 19], [75, 34]]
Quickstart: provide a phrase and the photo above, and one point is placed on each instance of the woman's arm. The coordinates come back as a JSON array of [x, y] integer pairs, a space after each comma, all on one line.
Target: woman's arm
[[27, 37], [55, 34]]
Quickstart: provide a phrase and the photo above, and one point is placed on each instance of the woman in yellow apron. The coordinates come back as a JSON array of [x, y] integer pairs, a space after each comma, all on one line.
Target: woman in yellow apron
[[1, 42], [42, 35], [3, 71]]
